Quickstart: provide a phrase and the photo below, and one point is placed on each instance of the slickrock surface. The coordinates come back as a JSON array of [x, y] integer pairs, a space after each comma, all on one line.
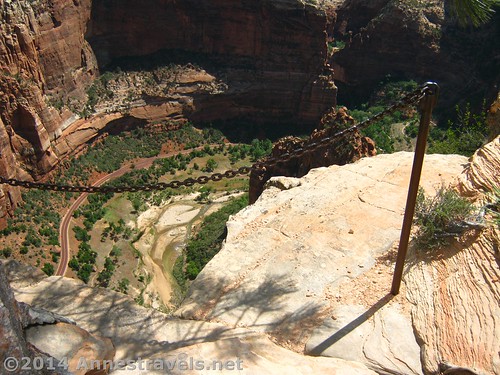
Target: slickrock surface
[[134, 330], [290, 261], [137, 332], [482, 174], [455, 297], [456, 292], [258, 355]]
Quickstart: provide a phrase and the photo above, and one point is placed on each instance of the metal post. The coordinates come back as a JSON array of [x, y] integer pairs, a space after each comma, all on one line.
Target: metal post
[[427, 103]]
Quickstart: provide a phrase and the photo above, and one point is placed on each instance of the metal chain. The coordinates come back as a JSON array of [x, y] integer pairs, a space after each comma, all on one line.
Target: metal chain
[[122, 189], [408, 100]]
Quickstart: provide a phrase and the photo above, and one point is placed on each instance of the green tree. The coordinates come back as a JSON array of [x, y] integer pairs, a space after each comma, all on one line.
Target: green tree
[[48, 268], [211, 165], [7, 252], [81, 234], [74, 264], [473, 12]]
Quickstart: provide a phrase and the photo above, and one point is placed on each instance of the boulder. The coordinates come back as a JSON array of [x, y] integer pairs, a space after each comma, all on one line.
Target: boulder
[[69, 343]]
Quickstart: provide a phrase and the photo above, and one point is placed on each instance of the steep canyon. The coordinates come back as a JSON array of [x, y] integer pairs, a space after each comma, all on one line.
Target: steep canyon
[[271, 56], [267, 63]]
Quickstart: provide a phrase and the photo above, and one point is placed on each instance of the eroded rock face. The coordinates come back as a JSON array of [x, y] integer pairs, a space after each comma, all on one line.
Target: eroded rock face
[[272, 58], [68, 342], [13, 342], [43, 54], [339, 151], [455, 292], [481, 175], [271, 54]]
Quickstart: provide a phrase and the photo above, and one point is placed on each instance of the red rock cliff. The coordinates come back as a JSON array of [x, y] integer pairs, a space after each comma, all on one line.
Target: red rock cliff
[[42, 53], [272, 56]]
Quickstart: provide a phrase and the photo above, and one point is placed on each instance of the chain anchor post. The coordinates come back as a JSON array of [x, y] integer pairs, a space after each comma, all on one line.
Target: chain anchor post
[[430, 91]]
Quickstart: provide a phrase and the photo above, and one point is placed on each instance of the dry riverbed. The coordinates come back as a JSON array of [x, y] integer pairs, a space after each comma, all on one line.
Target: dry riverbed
[[165, 232]]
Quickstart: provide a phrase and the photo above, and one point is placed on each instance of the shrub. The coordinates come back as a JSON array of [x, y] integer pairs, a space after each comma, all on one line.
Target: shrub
[[48, 268], [74, 264], [7, 252], [440, 217], [211, 165], [81, 234], [463, 136], [123, 285]]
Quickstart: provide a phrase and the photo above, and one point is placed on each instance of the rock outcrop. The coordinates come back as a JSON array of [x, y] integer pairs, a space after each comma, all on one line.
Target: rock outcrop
[[43, 55], [455, 294], [69, 343], [338, 151], [295, 262], [311, 263]]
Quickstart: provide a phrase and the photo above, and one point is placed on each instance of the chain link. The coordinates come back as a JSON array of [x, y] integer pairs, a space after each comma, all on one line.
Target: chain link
[[408, 100]]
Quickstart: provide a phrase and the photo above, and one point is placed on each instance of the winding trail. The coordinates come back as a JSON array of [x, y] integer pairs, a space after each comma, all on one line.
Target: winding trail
[[65, 222]]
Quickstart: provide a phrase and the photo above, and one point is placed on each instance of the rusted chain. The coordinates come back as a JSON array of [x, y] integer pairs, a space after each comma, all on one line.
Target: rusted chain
[[410, 99]]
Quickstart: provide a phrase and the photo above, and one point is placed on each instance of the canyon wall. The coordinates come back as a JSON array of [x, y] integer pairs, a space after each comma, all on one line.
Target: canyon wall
[[271, 55], [414, 40], [43, 55]]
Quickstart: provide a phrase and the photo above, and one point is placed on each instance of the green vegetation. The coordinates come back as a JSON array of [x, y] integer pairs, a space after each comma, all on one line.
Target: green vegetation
[[105, 275], [473, 12], [81, 234], [335, 46], [6, 252], [256, 150], [463, 136], [48, 268], [207, 242], [123, 285], [440, 217], [96, 92], [211, 165], [110, 154], [380, 132], [37, 220], [83, 263]]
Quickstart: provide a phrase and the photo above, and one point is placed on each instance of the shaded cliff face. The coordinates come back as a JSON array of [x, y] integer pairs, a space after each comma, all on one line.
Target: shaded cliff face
[[271, 54], [414, 41]]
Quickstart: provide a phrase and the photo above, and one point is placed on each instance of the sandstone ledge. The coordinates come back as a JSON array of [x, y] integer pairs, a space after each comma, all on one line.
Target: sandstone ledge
[[291, 258], [140, 333]]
